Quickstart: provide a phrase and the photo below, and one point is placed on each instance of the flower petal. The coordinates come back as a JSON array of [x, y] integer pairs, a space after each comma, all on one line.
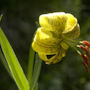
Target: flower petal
[[56, 57], [53, 21], [44, 42], [72, 29], [74, 33], [71, 22], [64, 45]]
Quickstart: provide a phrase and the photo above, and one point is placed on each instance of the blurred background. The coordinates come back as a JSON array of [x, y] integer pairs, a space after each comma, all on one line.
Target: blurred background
[[19, 23]]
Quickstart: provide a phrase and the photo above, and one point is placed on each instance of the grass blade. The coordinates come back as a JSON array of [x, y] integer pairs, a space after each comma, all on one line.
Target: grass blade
[[30, 65], [13, 63], [36, 72], [2, 58]]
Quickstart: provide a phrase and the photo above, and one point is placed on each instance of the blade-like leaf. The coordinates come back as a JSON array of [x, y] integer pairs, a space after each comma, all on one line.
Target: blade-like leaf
[[13, 63], [2, 58], [36, 72], [30, 65], [1, 17]]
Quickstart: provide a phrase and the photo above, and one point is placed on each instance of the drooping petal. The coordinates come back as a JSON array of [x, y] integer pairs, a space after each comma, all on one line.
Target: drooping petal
[[71, 22], [44, 42], [72, 29], [53, 58], [60, 55], [53, 21], [74, 33], [44, 57]]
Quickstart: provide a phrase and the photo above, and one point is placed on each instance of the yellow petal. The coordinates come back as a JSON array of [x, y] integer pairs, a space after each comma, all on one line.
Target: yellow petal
[[64, 45], [74, 33], [71, 23], [60, 55], [52, 58], [72, 29], [44, 42], [53, 21], [44, 56]]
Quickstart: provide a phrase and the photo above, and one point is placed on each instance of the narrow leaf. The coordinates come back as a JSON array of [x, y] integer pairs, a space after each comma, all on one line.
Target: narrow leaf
[[13, 63], [1, 17], [2, 58], [36, 72], [30, 65]]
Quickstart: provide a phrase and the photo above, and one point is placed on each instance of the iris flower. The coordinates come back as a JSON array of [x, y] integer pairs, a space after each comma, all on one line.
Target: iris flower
[[52, 38]]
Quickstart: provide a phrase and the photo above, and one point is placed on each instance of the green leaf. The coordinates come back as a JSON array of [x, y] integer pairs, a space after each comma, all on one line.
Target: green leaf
[[2, 58], [30, 65], [36, 72], [13, 63], [1, 17], [36, 87]]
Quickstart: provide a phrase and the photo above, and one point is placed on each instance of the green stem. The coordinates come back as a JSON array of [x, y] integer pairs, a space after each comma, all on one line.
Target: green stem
[[36, 87], [30, 65], [36, 73]]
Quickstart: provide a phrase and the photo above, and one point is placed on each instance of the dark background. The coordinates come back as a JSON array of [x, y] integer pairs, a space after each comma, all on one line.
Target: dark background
[[19, 24]]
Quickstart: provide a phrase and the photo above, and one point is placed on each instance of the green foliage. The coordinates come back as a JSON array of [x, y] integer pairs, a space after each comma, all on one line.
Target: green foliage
[[15, 70], [33, 69], [13, 63], [30, 65], [36, 72]]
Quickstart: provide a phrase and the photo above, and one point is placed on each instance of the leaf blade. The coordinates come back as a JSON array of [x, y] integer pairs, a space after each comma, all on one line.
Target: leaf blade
[[30, 65], [13, 63], [36, 72]]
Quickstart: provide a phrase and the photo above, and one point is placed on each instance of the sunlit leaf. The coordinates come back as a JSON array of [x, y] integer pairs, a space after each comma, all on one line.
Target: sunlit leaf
[[13, 63]]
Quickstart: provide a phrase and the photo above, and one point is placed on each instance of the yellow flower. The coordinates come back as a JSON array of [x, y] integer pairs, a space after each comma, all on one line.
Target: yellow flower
[[50, 39]]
